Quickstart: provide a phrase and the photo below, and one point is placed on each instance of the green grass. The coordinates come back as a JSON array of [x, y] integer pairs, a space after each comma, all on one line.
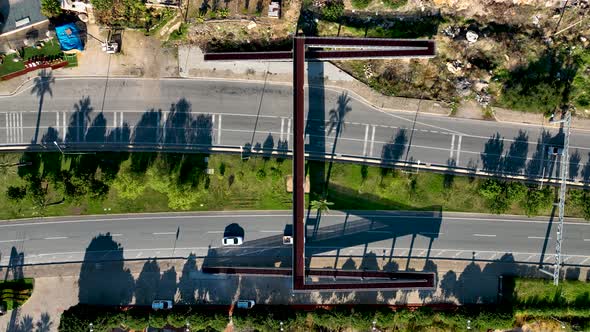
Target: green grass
[[14, 293], [250, 184], [542, 292], [50, 48], [72, 59], [9, 66]]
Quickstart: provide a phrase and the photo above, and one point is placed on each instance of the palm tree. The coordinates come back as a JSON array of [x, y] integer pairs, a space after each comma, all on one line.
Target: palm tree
[[322, 206], [41, 87]]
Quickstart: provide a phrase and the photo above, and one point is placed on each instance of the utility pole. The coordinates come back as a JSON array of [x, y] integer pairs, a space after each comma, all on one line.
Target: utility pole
[[563, 173]]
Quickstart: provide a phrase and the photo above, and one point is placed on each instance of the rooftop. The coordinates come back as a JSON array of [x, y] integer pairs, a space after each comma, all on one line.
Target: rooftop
[[19, 13]]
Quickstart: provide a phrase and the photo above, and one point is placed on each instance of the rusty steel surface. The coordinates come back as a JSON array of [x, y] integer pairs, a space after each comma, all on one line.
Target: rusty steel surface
[[338, 48], [298, 163]]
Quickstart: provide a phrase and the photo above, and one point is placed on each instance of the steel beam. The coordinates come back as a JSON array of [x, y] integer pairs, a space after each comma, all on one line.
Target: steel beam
[[298, 163]]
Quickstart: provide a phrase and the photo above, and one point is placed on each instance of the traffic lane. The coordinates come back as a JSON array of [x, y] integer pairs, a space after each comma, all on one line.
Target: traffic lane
[[67, 237], [263, 242]]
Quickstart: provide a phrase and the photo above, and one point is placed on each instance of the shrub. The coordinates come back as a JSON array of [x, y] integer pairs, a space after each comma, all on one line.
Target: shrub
[[16, 193], [361, 4], [261, 174], [333, 10], [51, 8], [536, 200], [394, 4]]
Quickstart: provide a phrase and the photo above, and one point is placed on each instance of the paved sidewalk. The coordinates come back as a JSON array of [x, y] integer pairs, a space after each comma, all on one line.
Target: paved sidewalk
[[192, 64], [57, 287]]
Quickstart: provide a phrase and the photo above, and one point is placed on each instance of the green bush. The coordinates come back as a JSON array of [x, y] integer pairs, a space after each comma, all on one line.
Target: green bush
[[16, 193], [333, 10], [361, 4], [394, 4], [536, 200], [51, 8]]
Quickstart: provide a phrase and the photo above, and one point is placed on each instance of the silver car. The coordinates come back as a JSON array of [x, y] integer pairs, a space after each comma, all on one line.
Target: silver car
[[233, 240]]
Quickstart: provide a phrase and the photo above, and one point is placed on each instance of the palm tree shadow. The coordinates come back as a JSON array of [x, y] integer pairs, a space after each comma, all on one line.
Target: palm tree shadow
[[336, 121], [41, 87]]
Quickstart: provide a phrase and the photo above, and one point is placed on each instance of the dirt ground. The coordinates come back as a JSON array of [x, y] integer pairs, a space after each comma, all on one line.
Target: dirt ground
[[141, 56]]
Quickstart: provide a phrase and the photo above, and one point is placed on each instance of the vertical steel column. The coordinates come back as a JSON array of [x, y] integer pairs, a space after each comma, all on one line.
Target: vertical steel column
[[298, 163]]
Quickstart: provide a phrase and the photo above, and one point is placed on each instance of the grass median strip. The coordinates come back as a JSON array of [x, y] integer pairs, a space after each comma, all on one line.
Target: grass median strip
[[105, 182]]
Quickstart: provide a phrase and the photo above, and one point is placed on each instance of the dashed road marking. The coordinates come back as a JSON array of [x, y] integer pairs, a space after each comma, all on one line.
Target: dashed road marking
[[55, 238], [164, 233], [539, 237], [485, 235]]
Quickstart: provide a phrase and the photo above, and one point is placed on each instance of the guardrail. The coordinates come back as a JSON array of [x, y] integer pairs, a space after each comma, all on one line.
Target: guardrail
[[411, 166]]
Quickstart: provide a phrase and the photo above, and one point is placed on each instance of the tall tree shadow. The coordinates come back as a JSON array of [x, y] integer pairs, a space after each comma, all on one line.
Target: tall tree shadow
[[515, 160], [103, 277], [394, 149], [15, 265], [574, 165], [585, 173], [187, 285], [491, 157], [41, 86], [79, 120]]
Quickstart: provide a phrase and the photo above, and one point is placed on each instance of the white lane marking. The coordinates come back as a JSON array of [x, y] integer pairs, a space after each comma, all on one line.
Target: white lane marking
[[485, 235], [586, 240], [7, 241], [288, 131], [214, 232], [584, 261], [430, 233], [452, 146], [7, 128], [271, 231], [372, 142], [21, 127], [539, 237], [116, 234], [332, 215], [63, 126], [458, 151], [219, 130], [55, 238], [121, 119], [57, 121], [164, 233], [282, 127], [139, 254], [366, 138]]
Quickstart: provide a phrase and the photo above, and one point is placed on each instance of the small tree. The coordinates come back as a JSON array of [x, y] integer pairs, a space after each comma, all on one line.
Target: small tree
[[51, 8], [16, 193], [333, 10], [322, 206], [361, 4]]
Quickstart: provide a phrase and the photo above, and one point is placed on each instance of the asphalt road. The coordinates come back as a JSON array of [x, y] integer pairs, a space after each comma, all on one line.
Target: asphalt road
[[201, 113], [381, 234]]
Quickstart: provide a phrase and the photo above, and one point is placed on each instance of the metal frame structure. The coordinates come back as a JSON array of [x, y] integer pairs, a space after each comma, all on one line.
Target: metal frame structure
[[566, 121], [318, 49]]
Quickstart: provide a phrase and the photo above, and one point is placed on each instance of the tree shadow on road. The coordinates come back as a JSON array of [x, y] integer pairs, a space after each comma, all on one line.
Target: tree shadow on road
[[103, 277], [41, 87]]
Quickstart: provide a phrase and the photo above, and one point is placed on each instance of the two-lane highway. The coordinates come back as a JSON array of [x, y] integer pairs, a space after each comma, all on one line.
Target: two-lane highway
[[202, 113], [384, 234]]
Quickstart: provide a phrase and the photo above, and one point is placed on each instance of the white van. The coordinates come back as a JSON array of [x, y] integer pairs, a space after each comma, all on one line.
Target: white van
[[245, 304]]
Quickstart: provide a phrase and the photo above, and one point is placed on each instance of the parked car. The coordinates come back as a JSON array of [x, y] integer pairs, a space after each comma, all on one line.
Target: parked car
[[2, 308], [162, 305], [232, 240], [245, 304]]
